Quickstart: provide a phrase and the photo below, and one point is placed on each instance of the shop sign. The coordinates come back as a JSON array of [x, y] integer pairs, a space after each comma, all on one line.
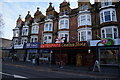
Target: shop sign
[[49, 45], [33, 45], [76, 44], [18, 46], [105, 42]]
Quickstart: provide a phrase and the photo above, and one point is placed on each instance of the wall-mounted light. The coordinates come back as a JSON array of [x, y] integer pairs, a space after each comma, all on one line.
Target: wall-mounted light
[[89, 50]]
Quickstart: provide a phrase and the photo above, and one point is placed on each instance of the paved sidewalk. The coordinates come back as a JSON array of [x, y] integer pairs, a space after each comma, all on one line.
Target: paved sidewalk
[[105, 71]]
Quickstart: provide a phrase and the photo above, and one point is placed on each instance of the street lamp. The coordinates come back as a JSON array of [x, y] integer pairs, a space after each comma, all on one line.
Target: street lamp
[[51, 57]]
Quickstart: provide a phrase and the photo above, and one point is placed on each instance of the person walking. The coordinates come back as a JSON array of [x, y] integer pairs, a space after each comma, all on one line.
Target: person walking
[[37, 60]]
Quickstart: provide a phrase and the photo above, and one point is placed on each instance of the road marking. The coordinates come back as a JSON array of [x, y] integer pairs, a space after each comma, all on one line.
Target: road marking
[[15, 76]]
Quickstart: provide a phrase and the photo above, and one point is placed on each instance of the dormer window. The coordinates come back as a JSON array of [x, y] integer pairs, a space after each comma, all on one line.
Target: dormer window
[[64, 24], [36, 20], [84, 7], [26, 23], [64, 12], [106, 3], [50, 17], [48, 26]]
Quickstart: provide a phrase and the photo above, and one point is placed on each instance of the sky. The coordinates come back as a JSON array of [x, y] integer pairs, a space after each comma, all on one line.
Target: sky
[[11, 9]]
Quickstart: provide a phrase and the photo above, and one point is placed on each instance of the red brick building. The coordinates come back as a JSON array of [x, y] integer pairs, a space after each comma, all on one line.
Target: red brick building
[[95, 25]]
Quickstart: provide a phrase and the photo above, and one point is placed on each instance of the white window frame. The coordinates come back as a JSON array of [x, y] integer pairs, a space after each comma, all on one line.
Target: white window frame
[[35, 29], [87, 19], [84, 7], [102, 15], [32, 39], [15, 41], [105, 3], [48, 27], [86, 30], [24, 33], [112, 27], [16, 33], [63, 25], [24, 40], [47, 38], [64, 33]]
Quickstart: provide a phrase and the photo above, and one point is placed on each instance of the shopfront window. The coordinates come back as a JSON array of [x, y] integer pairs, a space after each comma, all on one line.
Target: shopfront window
[[109, 56]]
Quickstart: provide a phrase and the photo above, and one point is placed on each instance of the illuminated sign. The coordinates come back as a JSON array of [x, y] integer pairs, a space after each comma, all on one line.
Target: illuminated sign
[[33, 45], [49, 45], [76, 44], [106, 42]]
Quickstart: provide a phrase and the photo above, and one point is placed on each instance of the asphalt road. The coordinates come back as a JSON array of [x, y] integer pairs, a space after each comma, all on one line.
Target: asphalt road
[[9, 71]]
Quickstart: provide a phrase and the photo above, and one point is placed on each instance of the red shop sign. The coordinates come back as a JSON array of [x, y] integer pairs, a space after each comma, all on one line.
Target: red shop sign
[[49, 45]]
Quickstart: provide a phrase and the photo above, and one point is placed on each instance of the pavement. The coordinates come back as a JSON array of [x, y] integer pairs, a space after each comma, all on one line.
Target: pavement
[[108, 71]]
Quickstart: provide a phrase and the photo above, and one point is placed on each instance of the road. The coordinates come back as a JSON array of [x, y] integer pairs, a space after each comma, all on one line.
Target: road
[[9, 71]]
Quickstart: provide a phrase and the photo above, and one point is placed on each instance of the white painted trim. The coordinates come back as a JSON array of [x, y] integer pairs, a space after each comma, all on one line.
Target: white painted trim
[[86, 22], [104, 28], [104, 10], [86, 32], [48, 26], [64, 19]]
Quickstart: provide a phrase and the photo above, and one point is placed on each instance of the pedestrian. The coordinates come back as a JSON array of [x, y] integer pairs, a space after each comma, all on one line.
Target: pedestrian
[[61, 64], [24, 58], [37, 60]]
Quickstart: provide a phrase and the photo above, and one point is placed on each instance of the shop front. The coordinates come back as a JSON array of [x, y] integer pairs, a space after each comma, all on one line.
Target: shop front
[[69, 53], [45, 56], [18, 52], [32, 50], [108, 51]]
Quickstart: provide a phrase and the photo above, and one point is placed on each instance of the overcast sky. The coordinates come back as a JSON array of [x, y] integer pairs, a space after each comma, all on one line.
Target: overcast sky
[[11, 9]]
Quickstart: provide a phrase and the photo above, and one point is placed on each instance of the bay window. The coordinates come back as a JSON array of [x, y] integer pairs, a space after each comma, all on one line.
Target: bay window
[[15, 41], [34, 39], [84, 19], [47, 38], [35, 29], [24, 40], [109, 32], [107, 15], [16, 33], [64, 24], [25, 31], [64, 34], [84, 34], [48, 26]]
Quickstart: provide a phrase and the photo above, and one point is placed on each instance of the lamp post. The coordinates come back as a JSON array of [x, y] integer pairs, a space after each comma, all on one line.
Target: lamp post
[[51, 57]]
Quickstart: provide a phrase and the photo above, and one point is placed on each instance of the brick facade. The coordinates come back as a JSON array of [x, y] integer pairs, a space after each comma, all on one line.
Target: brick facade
[[73, 21]]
